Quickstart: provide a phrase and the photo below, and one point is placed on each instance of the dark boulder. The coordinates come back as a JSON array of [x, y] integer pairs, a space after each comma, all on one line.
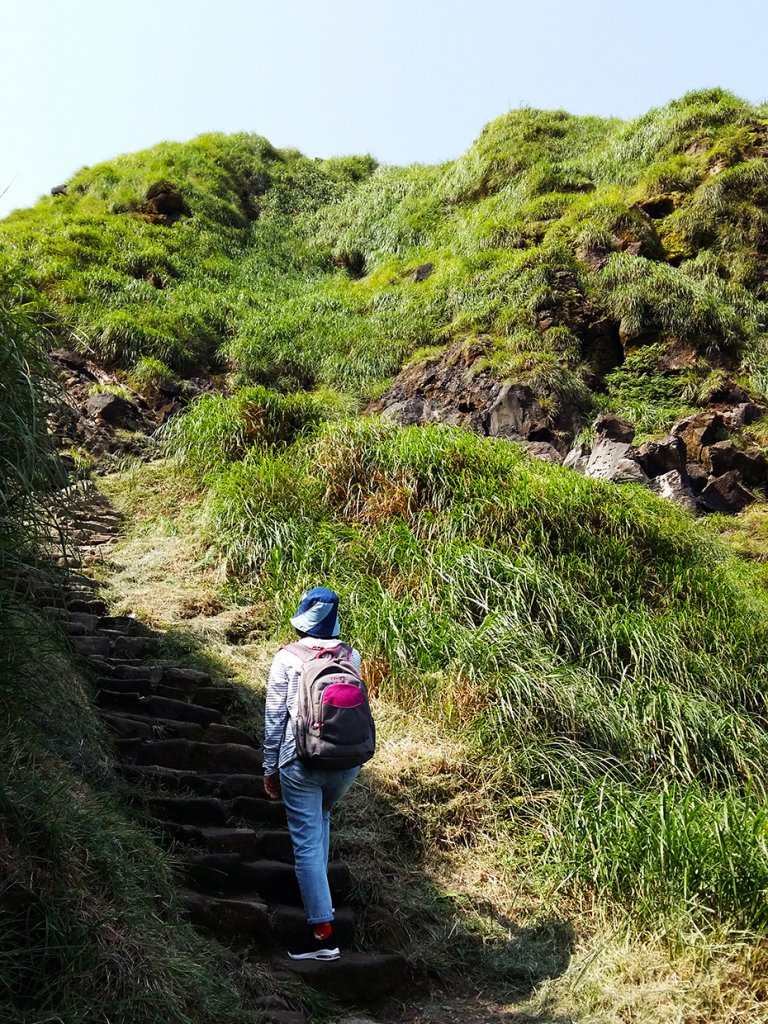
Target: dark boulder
[[614, 461], [697, 476], [114, 410], [409, 412], [660, 457], [66, 357], [742, 415], [603, 351], [518, 413], [422, 272], [576, 459], [543, 450], [614, 428], [59, 190], [674, 487], [726, 493], [724, 456], [699, 431]]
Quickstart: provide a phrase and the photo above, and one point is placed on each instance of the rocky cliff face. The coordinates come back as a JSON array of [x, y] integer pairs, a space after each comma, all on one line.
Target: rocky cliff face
[[97, 415], [453, 388], [704, 463]]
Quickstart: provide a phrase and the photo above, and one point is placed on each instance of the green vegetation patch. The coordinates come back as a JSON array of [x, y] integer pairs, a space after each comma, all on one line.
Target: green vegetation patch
[[580, 637]]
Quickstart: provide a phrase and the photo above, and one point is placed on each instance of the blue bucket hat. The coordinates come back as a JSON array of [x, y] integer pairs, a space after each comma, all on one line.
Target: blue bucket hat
[[318, 613]]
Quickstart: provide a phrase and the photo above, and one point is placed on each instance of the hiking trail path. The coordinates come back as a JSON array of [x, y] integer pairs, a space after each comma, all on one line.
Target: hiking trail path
[[198, 782]]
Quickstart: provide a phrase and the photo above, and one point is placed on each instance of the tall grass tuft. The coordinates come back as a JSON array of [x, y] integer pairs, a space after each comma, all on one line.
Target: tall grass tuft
[[29, 469]]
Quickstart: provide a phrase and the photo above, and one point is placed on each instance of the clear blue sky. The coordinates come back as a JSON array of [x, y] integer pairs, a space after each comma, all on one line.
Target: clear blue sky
[[406, 80]]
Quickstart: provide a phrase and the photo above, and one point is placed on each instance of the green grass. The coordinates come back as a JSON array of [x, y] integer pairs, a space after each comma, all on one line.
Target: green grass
[[582, 638]]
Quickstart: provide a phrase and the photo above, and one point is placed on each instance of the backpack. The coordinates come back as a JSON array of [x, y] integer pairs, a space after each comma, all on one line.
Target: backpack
[[334, 727]]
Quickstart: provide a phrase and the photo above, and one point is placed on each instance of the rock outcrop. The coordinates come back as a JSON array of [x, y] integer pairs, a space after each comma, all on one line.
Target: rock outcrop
[[701, 465], [449, 388], [98, 413], [697, 466]]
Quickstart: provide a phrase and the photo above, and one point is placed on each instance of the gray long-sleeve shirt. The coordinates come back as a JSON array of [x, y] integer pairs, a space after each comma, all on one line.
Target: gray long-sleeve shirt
[[282, 701]]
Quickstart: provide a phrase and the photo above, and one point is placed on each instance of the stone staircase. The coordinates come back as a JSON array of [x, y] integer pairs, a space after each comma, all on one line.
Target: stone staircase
[[195, 778]]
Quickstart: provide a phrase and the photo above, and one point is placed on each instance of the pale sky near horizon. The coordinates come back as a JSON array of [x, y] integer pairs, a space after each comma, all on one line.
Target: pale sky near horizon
[[407, 80]]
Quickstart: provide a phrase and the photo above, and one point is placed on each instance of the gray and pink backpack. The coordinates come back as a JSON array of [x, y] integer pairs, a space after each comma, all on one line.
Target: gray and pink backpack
[[334, 727]]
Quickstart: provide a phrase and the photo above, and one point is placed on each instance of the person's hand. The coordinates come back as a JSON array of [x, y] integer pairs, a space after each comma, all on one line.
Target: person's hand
[[272, 786]]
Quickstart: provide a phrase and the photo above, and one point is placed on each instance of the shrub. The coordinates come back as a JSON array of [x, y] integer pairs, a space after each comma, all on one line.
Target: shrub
[[219, 429]]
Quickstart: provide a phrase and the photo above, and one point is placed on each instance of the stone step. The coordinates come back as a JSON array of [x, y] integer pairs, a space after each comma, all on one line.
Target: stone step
[[52, 600], [94, 606], [125, 623], [100, 520], [105, 643], [219, 758], [151, 727], [243, 842], [355, 979], [84, 587], [240, 844], [84, 619], [199, 811], [93, 539], [232, 916], [189, 680], [274, 881], [138, 687], [171, 779], [92, 646], [267, 927], [208, 698], [73, 628], [179, 676], [132, 646], [133, 703], [117, 668]]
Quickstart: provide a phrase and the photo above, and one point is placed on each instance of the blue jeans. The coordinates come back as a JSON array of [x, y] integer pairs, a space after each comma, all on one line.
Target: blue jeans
[[308, 795]]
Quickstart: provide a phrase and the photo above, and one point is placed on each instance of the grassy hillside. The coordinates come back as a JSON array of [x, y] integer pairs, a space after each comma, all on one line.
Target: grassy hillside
[[600, 656], [619, 263]]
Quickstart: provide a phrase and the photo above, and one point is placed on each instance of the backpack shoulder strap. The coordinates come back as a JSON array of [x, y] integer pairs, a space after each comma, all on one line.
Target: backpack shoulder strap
[[343, 652], [303, 653]]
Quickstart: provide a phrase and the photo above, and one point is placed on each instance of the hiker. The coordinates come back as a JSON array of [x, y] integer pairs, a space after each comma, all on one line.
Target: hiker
[[318, 731]]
